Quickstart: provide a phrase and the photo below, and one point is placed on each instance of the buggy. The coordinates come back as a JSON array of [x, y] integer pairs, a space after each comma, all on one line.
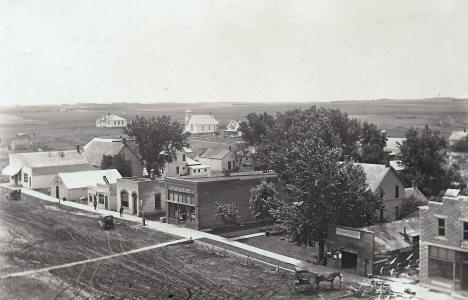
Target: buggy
[[14, 195], [107, 222]]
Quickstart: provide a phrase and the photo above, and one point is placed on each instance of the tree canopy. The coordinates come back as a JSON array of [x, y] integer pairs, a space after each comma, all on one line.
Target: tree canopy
[[373, 142], [263, 199], [228, 213], [118, 162], [158, 140], [303, 148], [424, 156], [255, 127]]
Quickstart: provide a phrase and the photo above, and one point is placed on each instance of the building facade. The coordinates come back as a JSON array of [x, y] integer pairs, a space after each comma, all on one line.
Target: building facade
[[218, 159], [200, 124], [105, 196], [444, 245], [141, 196], [192, 201], [111, 121], [36, 170]]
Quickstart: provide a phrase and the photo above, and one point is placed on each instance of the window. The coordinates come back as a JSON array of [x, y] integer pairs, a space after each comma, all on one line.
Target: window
[[198, 170], [397, 191], [169, 195], [441, 224], [183, 157], [124, 198], [465, 230], [177, 170], [101, 198], [90, 198], [157, 201], [25, 177]]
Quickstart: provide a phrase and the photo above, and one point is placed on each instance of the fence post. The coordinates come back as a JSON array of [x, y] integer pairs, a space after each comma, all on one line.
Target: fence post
[[278, 269], [212, 249]]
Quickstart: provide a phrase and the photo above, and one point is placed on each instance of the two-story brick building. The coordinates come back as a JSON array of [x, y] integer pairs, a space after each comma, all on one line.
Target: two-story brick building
[[444, 245]]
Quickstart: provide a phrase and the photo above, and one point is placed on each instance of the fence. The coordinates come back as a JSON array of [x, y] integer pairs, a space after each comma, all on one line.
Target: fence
[[218, 250]]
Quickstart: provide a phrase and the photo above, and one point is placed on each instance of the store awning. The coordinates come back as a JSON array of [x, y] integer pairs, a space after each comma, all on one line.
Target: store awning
[[11, 170]]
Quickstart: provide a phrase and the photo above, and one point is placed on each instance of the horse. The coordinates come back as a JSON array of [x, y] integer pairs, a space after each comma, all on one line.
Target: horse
[[328, 277]]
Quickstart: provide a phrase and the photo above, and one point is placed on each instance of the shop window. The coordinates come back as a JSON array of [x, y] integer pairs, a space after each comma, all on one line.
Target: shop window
[[438, 268], [101, 198], [157, 201], [465, 231], [441, 225], [25, 177], [124, 198], [169, 195], [172, 210], [397, 191]]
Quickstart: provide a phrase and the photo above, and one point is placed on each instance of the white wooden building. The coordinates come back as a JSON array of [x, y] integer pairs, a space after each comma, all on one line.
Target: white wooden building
[[200, 124], [111, 121]]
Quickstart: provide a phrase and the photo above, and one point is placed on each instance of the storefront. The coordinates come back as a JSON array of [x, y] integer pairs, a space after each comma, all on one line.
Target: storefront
[[181, 206], [448, 267]]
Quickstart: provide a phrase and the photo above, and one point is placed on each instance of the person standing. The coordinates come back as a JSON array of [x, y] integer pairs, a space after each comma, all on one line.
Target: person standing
[[95, 204], [121, 210]]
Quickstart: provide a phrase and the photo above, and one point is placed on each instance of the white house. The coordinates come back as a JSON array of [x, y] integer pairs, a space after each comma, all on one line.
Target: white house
[[36, 170], [384, 179], [183, 165], [457, 136], [73, 186], [233, 128], [200, 124], [111, 120], [218, 160]]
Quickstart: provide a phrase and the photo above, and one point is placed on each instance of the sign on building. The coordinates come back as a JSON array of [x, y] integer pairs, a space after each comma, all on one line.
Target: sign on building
[[348, 232]]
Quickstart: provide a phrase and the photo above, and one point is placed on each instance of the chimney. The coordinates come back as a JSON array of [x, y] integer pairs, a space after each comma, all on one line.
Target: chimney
[[78, 148]]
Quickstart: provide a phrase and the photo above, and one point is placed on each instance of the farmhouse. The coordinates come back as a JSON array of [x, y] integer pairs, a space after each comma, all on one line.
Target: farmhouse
[[200, 124], [233, 128], [191, 201], [217, 159], [36, 170], [73, 186], [22, 141], [372, 249], [444, 244], [140, 196], [457, 136], [183, 165], [98, 147], [111, 121], [384, 179]]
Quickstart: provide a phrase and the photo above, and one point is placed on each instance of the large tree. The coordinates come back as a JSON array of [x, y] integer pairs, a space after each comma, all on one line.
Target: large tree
[[255, 127], [373, 142], [424, 156], [158, 140], [118, 162], [323, 189], [263, 200]]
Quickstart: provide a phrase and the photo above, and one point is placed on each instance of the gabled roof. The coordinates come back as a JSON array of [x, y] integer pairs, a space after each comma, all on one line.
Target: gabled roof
[[233, 126], [112, 117], [203, 120], [214, 153], [393, 145], [97, 147], [52, 158], [457, 135], [75, 180], [62, 169], [375, 174]]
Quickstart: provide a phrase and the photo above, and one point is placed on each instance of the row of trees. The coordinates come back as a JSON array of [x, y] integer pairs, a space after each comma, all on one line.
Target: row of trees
[[363, 142]]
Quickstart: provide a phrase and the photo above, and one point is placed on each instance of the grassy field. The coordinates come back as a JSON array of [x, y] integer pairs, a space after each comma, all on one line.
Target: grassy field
[[35, 234], [63, 130]]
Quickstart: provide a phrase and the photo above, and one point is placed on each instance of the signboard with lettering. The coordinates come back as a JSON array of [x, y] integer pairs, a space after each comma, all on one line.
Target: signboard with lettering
[[348, 232]]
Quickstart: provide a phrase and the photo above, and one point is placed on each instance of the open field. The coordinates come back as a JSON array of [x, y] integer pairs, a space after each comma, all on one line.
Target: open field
[[36, 234]]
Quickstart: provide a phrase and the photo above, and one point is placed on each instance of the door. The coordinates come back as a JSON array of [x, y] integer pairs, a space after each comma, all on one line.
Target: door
[[348, 260], [135, 203], [57, 192], [106, 202], [229, 165]]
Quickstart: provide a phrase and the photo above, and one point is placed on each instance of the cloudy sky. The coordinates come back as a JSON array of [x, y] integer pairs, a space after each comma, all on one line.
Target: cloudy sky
[[211, 50]]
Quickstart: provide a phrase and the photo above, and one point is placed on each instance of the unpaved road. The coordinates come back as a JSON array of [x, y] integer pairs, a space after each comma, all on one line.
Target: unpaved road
[[36, 234]]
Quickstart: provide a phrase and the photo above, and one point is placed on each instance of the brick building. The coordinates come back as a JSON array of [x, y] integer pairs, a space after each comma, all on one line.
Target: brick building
[[444, 244], [191, 201]]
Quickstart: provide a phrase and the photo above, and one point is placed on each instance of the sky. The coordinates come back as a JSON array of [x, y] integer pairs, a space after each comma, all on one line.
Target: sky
[[64, 52]]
